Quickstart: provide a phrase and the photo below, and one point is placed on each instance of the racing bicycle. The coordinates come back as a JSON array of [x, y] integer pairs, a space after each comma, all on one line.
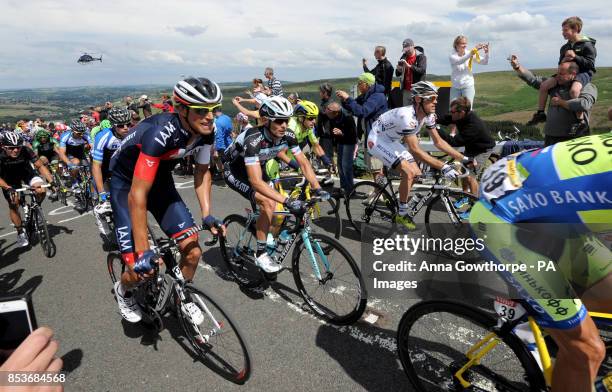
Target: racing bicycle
[[215, 338], [325, 273], [34, 220], [447, 345]]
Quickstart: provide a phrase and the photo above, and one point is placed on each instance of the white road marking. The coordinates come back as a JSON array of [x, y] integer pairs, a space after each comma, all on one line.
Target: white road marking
[[384, 342], [60, 210], [75, 217], [7, 234]]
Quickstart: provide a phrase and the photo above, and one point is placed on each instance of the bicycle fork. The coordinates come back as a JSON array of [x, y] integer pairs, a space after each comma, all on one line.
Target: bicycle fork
[[313, 259]]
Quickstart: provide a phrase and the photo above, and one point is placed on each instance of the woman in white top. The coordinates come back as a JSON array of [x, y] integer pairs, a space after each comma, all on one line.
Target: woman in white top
[[462, 80]]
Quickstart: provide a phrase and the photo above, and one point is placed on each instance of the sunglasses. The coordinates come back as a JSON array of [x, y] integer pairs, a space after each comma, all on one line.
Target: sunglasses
[[204, 110], [12, 147], [126, 125], [311, 118], [280, 120]]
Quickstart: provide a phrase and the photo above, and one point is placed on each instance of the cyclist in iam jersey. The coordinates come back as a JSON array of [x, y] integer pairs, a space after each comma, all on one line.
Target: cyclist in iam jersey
[[141, 181]]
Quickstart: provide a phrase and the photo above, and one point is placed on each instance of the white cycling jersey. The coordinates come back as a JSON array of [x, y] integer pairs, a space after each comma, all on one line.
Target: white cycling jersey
[[384, 140], [397, 123]]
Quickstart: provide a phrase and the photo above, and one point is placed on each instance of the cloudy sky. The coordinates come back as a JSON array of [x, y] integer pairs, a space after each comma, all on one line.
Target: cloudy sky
[[151, 42]]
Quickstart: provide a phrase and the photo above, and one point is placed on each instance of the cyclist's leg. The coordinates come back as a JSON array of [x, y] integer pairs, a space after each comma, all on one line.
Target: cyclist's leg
[[581, 352], [175, 220], [547, 296], [123, 228], [14, 208]]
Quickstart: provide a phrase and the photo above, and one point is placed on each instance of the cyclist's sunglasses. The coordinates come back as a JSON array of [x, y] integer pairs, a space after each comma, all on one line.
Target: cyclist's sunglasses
[[202, 110], [281, 120], [77, 133], [125, 125], [13, 147], [310, 118]]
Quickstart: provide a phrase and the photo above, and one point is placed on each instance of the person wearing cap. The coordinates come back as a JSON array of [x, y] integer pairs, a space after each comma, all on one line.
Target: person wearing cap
[[145, 105], [383, 71], [367, 107], [411, 68]]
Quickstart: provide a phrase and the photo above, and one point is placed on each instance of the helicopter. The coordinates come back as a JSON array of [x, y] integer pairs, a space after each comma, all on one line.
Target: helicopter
[[87, 58]]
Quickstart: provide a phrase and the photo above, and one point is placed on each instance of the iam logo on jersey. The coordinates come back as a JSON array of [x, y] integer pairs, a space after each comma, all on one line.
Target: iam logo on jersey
[[150, 163], [181, 225]]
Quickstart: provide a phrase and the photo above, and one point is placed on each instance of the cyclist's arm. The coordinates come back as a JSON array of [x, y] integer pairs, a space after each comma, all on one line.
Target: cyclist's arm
[[96, 162], [314, 143], [283, 156], [301, 159], [307, 170], [202, 181], [418, 153], [61, 152], [4, 184], [442, 145], [96, 172], [42, 169], [260, 186], [144, 175]]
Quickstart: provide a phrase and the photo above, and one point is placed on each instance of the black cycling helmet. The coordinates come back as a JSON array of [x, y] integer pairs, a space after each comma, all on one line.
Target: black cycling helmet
[[77, 126], [11, 139], [197, 91], [119, 116]]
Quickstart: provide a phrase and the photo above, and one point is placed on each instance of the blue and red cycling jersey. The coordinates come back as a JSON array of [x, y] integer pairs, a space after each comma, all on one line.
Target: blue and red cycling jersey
[[155, 145]]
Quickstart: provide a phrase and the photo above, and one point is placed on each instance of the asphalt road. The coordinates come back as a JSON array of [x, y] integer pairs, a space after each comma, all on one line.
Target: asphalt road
[[291, 349]]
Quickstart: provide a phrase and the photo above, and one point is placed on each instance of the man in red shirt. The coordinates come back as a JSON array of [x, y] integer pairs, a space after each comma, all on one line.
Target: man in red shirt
[[411, 68]]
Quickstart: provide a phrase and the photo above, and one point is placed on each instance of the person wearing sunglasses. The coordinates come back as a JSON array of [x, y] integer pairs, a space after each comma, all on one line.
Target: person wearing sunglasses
[[244, 169], [73, 147], [403, 125], [305, 115], [16, 160], [141, 181]]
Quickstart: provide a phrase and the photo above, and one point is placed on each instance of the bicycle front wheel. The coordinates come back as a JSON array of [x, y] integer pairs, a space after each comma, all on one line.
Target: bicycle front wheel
[[337, 292], [217, 339], [434, 336], [116, 266], [371, 204], [46, 243], [447, 216], [238, 251], [326, 215]]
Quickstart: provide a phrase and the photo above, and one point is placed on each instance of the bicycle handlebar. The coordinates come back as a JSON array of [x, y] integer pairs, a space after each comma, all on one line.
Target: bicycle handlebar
[[29, 188]]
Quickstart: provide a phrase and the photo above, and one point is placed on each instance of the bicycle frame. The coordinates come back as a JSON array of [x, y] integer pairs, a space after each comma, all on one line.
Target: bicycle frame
[[303, 229], [475, 353]]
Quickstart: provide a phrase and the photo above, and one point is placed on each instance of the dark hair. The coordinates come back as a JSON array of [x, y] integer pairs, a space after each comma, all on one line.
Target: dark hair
[[326, 88], [462, 104]]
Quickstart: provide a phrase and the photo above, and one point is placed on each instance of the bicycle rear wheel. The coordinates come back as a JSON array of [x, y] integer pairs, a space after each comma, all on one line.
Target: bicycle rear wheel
[[371, 204], [434, 336], [340, 295], [116, 266], [238, 251], [46, 243], [217, 340]]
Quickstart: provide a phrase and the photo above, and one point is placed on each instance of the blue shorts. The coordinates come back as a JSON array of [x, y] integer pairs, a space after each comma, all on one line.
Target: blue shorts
[[164, 202], [584, 78]]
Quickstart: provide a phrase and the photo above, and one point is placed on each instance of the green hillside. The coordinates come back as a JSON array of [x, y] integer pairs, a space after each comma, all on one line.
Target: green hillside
[[500, 96]]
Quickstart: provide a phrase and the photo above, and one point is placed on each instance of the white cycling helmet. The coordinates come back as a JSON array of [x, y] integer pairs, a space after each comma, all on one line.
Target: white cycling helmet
[[197, 91], [276, 108], [424, 89]]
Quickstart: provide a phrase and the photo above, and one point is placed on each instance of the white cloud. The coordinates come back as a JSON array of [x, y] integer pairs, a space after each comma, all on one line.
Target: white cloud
[[42, 39], [260, 32], [164, 57]]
